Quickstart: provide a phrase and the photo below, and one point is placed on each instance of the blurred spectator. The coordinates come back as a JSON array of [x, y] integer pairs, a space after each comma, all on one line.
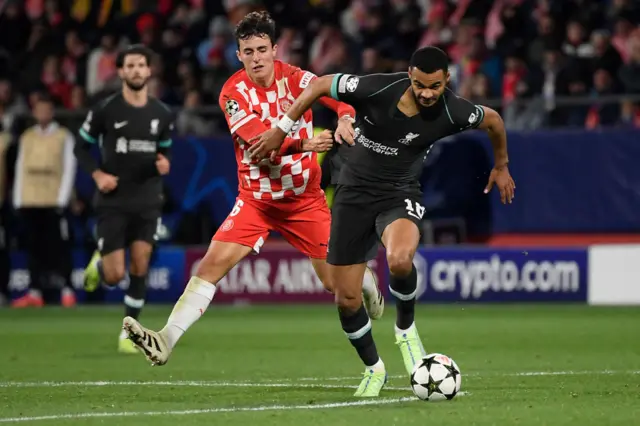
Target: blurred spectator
[[477, 59], [189, 122], [219, 40], [630, 114], [74, 61], [630, 72], [15, 27], [55, 82], [547, 36], [623, 28], [600, 114], [45, 174], [437, 32], [576, 43], [327, 50], [605, 56], [101, 69], [476, 88], [12, 105]]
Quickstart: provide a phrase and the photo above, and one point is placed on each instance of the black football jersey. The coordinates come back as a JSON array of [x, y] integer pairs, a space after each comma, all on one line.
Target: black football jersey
[[391, 147], [129, 138]]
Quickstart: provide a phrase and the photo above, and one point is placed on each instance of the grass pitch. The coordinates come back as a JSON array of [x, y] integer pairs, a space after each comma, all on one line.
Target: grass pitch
[[292, 365]]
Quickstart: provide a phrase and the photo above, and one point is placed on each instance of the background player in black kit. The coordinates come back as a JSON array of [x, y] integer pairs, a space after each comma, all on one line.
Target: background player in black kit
[[399, 118], [133, 132]]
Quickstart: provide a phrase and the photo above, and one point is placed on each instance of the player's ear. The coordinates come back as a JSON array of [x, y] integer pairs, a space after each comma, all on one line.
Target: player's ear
[[275, 49], [238, 55]]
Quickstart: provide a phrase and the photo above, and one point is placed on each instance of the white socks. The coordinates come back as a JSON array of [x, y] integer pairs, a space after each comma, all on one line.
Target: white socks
[[378, 366], [190, 307], [400, 331]]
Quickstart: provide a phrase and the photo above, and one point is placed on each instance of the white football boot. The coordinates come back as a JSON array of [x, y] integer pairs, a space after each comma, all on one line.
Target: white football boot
[[371, 295], [151, 343]]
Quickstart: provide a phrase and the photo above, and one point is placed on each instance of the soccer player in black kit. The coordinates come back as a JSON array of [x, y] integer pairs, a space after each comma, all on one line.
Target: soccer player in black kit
[[399, 117], [133, 132]]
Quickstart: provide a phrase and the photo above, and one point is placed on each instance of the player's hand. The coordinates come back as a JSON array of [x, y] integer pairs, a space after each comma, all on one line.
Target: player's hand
[[268, 141], [344, 131], [162, 164], [104, 181], [502, 179], [320, 143]]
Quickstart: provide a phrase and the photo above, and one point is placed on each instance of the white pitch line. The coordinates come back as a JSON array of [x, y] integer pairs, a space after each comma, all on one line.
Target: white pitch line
[[288, 383], [385, 401], [497, 373], [184, 383]]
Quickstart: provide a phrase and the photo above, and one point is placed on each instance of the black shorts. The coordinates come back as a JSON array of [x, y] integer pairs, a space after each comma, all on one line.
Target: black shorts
[[358, 220], [117, 229]]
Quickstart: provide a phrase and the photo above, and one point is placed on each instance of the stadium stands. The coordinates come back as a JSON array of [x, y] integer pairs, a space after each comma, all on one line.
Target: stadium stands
[[544, 63]]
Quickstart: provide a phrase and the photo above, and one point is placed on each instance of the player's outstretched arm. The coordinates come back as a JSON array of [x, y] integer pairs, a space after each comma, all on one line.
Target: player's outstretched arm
[[494, 126], [346, 117], [272, 139]]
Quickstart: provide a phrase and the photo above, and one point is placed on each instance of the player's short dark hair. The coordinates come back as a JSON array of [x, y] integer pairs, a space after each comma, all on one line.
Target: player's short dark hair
[[256, 24], [135, 49], [429, 60], [45, 98]]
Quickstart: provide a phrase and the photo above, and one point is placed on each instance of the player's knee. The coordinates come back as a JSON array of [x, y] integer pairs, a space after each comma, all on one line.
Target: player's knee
[[114, 274], [349, 301], [400, 262], [328, 286]]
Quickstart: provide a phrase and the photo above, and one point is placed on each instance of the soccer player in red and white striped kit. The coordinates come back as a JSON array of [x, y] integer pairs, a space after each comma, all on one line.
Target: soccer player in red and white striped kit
[[280, 194]]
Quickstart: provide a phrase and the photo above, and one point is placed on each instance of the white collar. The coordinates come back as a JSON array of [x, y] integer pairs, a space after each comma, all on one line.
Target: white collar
[[50, 128]]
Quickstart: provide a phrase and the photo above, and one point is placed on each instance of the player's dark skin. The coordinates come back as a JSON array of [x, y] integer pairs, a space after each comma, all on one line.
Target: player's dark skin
[[401, 237]]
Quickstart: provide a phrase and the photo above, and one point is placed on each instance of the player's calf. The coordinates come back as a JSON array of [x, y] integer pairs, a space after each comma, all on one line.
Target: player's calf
[[403, 283], [404, 289], [356, 325]]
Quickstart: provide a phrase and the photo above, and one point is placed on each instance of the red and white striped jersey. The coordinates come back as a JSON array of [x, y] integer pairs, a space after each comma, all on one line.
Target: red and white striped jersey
[[250, 110]]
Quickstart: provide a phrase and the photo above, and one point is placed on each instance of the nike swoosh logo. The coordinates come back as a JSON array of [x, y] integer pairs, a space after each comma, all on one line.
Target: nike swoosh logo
[[119, 125]]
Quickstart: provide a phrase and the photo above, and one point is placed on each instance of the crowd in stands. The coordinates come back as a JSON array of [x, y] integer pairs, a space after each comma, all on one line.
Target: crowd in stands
[[525, 54]]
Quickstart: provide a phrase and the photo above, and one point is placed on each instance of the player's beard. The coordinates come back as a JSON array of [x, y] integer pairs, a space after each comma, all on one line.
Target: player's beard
[[420, 105], [136, 87]]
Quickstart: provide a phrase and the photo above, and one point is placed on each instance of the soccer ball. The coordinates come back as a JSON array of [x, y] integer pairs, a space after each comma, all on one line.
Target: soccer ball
[[435, 378]]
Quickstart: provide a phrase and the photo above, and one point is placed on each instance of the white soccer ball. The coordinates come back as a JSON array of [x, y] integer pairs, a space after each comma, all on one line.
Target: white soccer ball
[[435, 378]]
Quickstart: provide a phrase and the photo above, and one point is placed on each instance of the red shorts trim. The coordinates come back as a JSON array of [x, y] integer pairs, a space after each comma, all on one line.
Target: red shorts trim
[[305, 224]]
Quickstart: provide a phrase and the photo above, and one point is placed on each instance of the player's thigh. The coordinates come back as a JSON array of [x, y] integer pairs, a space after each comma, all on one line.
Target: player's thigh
[[142, 234], [143, 226], [353, 238], [307, 228], [399, 230], [321, 267], [111, 231], [220, 258], [245, 225]]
